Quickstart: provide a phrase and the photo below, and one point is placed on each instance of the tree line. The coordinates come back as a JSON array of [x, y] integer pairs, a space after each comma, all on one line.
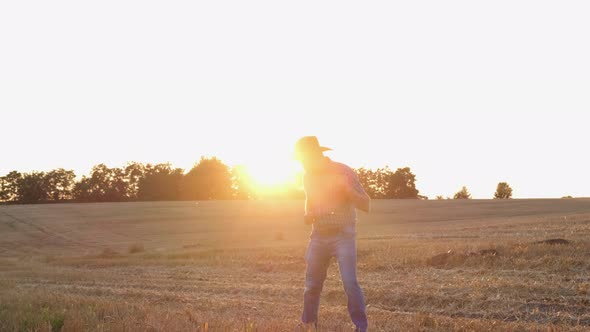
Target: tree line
[[503, 191], [386, 184], [209, 179]]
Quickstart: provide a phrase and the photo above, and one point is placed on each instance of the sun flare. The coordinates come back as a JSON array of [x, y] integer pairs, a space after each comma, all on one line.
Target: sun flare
[[265, 175]]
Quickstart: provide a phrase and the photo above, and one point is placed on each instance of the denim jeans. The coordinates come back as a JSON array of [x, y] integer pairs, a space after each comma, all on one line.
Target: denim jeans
[[319, 253]]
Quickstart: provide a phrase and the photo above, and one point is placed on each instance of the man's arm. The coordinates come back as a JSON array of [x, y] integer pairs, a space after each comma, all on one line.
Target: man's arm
[[356, 193]]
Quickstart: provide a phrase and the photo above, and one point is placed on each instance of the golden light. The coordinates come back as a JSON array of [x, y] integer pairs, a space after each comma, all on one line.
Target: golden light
[[271, 175]]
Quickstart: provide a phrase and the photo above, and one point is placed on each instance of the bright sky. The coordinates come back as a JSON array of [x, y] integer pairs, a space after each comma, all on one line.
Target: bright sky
[[464, 92]]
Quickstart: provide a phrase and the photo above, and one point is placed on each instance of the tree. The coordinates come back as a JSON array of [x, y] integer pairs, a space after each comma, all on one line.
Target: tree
[[82, 190], [3, 191], [103, 185], [381, 178], [111, 184], [60, 184], [160, 182], [208, 179], [384, 183], [134, 172], [118, 185], [439, 197], [503, 191], [371, 181], [98, 183], [107, 184], [32, 188], [10, 186], [462, 194], [401, 184]]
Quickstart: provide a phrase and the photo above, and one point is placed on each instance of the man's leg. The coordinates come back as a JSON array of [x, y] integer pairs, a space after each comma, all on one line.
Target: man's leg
[[317, 258], [346, 255]]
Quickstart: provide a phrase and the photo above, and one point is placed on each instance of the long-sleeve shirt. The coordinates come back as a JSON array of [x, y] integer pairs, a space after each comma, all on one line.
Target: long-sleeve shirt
[[326, 200]]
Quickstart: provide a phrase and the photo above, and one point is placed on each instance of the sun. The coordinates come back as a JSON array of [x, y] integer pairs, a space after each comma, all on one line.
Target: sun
[[265, 175]]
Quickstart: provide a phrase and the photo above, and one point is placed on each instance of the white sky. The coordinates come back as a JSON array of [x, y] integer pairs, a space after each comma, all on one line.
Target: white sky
[[464, 92]]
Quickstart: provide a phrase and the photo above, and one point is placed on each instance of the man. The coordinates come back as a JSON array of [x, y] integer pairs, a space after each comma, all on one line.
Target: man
[[333, 193]]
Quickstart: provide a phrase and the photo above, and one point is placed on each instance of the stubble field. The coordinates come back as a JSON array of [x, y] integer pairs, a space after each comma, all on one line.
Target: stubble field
[[238, 266]]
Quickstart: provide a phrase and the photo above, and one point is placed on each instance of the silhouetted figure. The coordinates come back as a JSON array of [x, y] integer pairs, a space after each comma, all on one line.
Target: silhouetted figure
[[333, 193]]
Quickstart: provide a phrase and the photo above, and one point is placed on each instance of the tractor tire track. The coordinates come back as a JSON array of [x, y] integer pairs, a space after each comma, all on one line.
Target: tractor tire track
[[46, 231]]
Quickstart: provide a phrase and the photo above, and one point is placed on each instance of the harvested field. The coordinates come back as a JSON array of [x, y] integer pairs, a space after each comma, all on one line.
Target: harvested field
[[471, 265]]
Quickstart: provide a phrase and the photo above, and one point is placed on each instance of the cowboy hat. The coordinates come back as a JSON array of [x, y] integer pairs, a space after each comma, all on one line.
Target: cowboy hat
[[307, 145]]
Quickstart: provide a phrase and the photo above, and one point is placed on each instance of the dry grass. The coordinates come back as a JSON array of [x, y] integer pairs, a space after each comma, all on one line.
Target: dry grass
[[238, 266]]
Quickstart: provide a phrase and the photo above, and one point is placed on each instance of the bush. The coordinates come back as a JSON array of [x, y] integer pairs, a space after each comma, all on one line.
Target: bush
[[136, 248]]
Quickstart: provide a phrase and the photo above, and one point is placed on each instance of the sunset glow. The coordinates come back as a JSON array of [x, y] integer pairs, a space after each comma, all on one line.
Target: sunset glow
[[272, 175], [457, 113]]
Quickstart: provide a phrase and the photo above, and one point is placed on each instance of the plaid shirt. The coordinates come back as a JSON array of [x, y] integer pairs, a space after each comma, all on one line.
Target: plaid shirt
[[326, 200]]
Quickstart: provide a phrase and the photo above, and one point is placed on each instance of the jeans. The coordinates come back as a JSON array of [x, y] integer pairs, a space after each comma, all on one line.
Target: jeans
[[319, 252]]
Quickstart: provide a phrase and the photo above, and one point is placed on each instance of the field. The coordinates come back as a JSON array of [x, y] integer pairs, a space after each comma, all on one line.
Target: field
[[238, 266]]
